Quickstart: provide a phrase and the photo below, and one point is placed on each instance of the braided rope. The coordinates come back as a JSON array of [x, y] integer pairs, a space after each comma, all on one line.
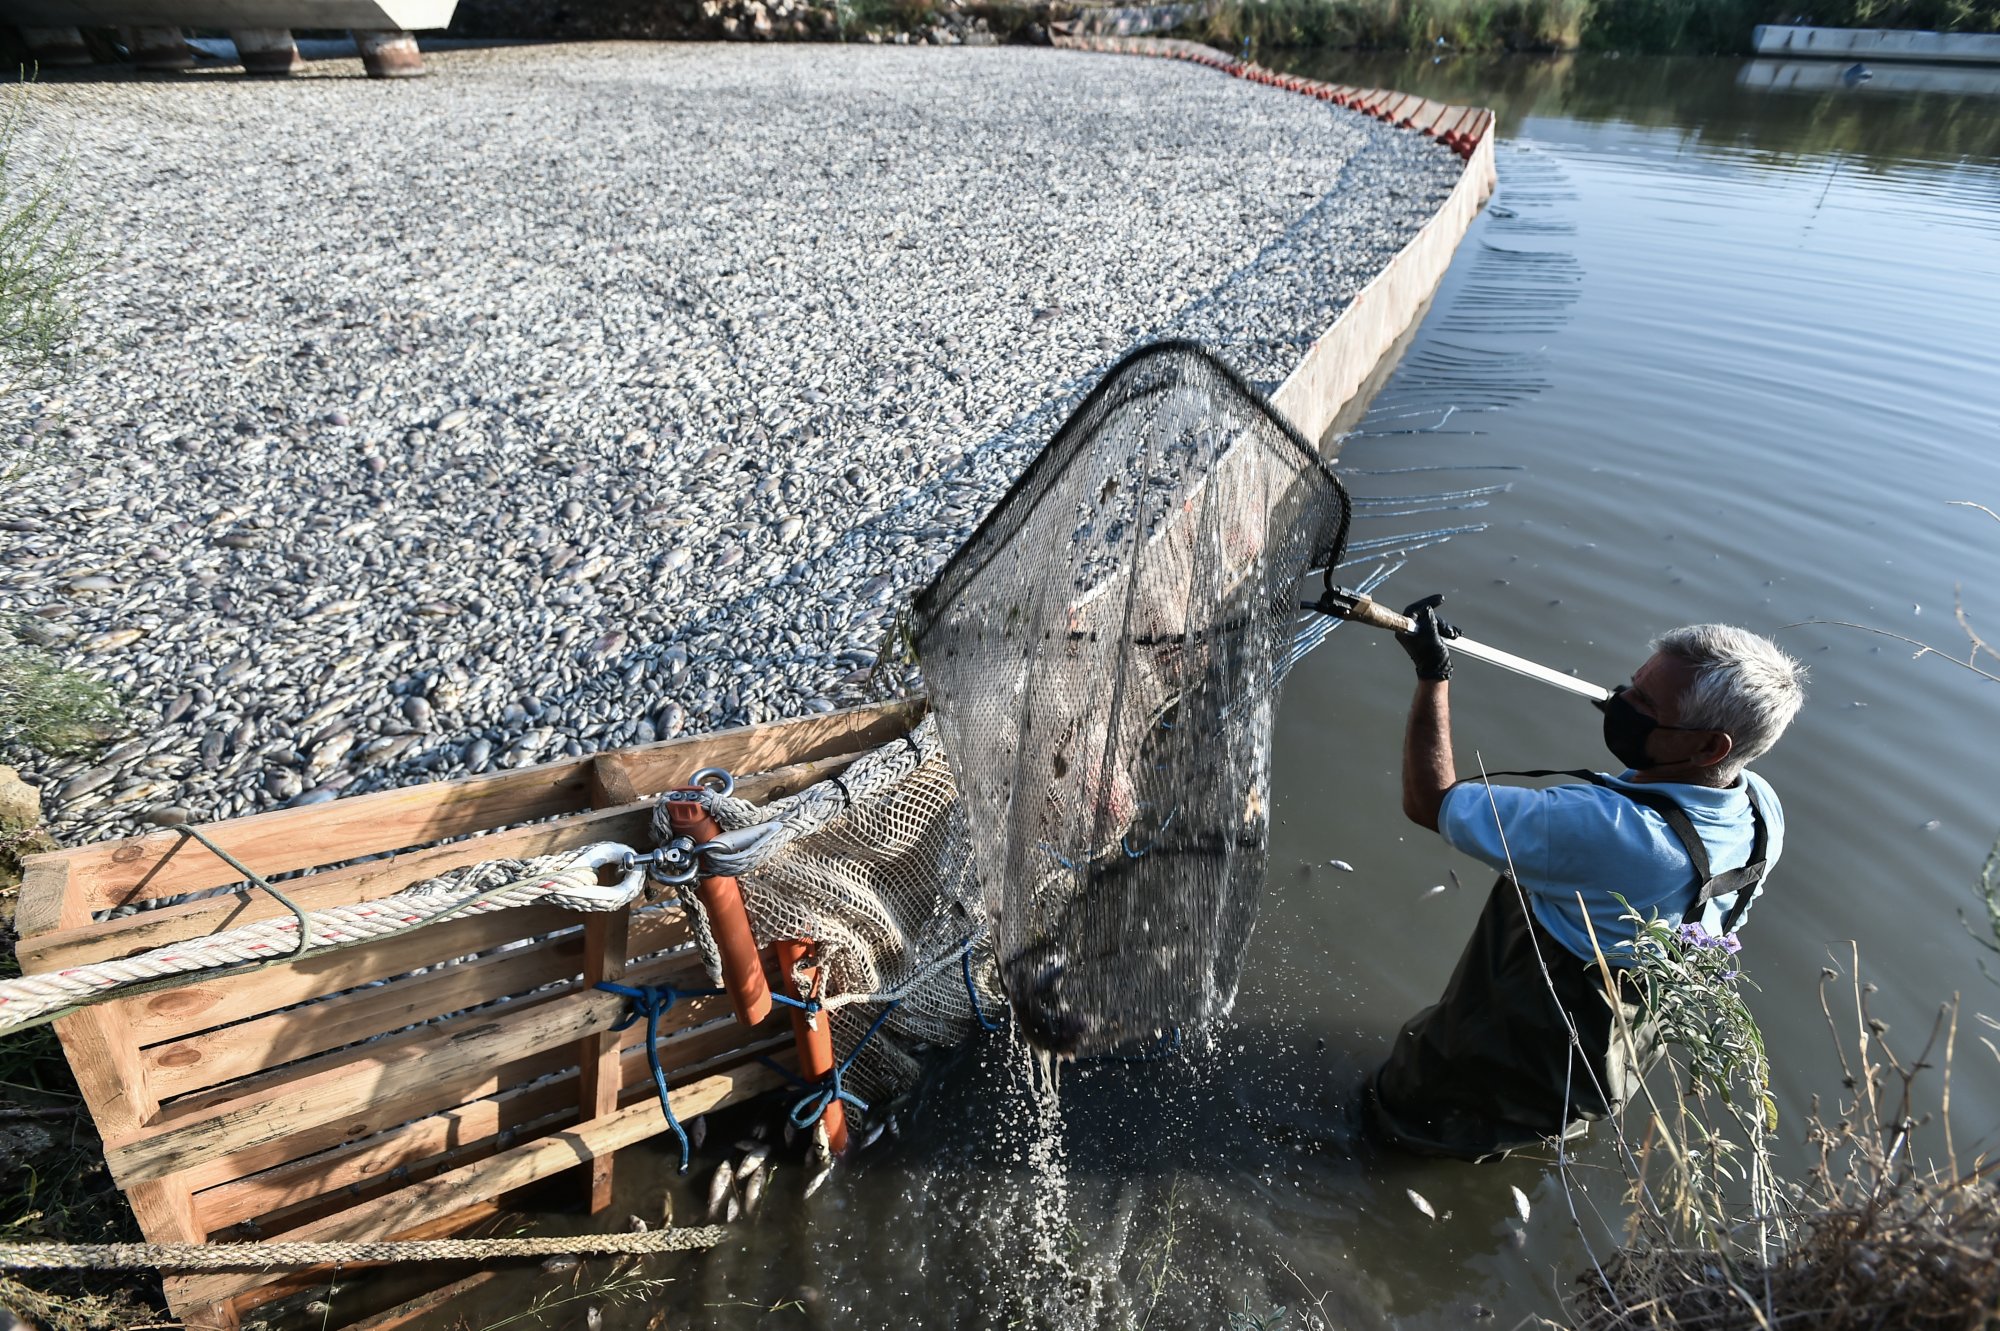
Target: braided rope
[[800, 815], [567, 880], [266, 1256]]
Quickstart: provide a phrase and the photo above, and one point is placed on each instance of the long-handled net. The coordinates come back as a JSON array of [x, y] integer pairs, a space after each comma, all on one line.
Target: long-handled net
[[1102, 657]]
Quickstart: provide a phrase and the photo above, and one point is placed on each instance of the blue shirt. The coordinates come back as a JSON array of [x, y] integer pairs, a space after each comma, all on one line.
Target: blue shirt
[[1571, 839]]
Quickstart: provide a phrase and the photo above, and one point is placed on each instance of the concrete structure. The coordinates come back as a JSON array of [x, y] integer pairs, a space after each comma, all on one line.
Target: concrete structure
[[1828, 75], [1877, 44], [261, 29]]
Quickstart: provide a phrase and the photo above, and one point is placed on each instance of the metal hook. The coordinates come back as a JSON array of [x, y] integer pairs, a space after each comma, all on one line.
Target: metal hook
[[715, 780]]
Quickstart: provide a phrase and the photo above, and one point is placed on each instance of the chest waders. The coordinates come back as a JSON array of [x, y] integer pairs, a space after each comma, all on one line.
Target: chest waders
[[1490, 1067]]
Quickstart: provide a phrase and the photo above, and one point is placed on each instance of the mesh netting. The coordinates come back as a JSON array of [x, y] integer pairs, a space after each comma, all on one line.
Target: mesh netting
[[885, 888], [1102, 660]]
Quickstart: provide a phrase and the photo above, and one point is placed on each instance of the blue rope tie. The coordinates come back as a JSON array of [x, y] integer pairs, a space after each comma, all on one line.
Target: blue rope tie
[[822, 1093], [652, 1002]]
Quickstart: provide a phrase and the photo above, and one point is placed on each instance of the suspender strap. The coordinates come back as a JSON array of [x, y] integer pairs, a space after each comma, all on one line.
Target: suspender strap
[[1741, 883]]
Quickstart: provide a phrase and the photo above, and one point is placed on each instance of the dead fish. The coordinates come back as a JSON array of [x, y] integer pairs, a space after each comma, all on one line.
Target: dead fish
[[818, 1181], [636, 1225], [1521, 1205], [753, 1191], [735, 1210], [721, 1190], [1417, 1200], [561, 1262], [1341, 865], [791, 1132], [1434, 891], [874, 1134], [698, 1131], [594, 1320], [667, 1210], [752, 1161]]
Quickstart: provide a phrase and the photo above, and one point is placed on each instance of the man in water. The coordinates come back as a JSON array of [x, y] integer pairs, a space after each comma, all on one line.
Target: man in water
[[1685, 834]]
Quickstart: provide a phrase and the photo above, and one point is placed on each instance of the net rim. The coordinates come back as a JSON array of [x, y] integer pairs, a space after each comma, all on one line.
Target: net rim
[[1052, 461]]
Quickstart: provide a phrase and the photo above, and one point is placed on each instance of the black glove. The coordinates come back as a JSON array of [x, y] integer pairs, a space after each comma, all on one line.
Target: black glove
[[1425, 643]]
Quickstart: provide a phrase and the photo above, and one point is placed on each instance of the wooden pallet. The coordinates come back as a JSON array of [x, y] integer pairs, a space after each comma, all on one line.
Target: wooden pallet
[[342, 1097]]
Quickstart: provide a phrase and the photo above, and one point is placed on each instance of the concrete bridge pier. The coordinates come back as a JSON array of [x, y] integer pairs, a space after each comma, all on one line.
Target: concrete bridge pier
[[57, 46], [389, 54], [267, 51], [159, 48]]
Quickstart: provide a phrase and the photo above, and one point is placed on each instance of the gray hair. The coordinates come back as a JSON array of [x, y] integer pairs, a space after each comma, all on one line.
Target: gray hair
[[1743, 686]]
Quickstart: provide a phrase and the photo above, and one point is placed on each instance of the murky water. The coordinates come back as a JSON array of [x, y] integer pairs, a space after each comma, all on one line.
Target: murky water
[[1736, 335]]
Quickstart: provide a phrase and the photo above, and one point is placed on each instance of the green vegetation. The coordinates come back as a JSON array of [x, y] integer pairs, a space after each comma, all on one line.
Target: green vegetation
[[1883, 1231], [1655, 27], [42, 258], [44, 706], [1482, 25]]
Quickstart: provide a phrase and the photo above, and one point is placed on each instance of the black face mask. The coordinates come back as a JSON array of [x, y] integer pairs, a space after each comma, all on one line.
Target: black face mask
[[1627, 730]]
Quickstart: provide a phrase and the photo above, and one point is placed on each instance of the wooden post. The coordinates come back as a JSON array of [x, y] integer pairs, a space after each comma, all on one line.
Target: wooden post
[[605, 939]]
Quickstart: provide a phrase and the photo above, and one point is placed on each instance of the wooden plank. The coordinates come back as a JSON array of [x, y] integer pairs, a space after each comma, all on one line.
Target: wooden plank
[[356, 1168], [355, 1092], [391, 1319], [606, 938], [43, 899], [711, 1049], [132, 934], [276, 1286], [193, 1063], [209, 1004], [196, 1313], [164, 863], [438, 1199], [539, 1158], [346, 886], [105, 1060]]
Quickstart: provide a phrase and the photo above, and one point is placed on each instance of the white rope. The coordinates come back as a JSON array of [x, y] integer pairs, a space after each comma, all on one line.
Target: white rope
[[754, 833], [568, 880], [268, 1256]]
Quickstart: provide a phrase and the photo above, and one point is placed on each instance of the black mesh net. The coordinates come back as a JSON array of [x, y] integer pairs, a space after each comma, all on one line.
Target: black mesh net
[[1102, 658]]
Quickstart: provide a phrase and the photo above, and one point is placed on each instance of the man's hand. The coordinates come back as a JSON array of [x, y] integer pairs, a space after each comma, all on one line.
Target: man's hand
[[1425, 643]]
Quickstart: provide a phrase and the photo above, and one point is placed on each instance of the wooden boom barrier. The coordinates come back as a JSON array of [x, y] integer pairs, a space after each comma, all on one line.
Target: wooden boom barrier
[[347, 1095]]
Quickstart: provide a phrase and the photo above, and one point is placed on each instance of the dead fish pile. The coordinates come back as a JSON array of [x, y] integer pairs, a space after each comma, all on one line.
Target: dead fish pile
[[332, 532]]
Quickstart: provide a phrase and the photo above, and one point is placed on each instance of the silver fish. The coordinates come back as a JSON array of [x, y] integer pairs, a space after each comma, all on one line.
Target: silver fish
[[721, 1191], [818, 1181], [1417, 1200], [1521, 1204]]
